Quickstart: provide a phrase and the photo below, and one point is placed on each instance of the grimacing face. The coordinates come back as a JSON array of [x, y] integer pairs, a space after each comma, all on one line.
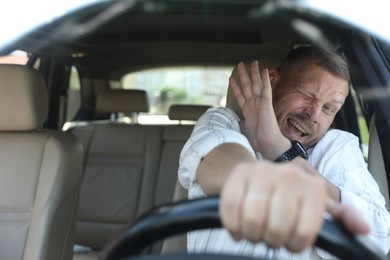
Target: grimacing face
[[306, 102]]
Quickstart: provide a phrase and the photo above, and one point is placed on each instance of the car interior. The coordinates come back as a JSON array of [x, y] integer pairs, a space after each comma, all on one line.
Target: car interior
[[42, 172], [86, 155]]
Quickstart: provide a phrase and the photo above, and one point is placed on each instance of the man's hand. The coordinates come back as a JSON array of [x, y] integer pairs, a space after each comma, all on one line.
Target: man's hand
[[255, 99], [280, 205]]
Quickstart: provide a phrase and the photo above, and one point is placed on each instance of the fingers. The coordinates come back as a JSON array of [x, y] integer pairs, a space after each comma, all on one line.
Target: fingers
[[266, 90], [237, 92], [246, 83], [256, 79], [296, 214], [279, 205], [246, 90], [350, 216], [256, 84], [255, 208], [230, 207], [310, 216], [244, 203], [283, 213], [261, 84]]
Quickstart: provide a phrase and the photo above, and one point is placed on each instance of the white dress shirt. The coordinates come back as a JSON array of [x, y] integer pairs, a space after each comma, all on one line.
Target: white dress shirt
[[336, 156]]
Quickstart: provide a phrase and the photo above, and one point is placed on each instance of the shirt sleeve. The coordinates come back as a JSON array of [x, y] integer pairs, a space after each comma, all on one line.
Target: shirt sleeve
[[215, 127], [342, 164]]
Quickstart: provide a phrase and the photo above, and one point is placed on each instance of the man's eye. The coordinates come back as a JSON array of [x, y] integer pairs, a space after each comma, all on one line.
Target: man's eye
[[329, 109]]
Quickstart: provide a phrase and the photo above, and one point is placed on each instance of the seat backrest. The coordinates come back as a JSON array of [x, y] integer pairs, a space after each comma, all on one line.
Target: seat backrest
[[175, 137], [176, 243], [375, 161], [120, 169], [129, 168], [121, 100], [173, 140], [41, 172]]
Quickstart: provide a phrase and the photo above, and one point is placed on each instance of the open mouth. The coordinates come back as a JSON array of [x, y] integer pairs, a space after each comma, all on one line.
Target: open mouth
[[297, 127]]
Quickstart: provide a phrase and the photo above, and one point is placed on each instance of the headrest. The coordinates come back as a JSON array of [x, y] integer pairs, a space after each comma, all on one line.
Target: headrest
[[122, 100], [186, 112], [231, 101], [23, 98]]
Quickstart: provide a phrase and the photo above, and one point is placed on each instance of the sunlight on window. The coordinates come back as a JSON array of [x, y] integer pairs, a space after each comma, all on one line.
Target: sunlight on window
[[190, 85]]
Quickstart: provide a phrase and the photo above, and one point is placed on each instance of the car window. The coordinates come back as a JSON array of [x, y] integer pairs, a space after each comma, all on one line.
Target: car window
[[178, 85], [363, 126], [74, 94]]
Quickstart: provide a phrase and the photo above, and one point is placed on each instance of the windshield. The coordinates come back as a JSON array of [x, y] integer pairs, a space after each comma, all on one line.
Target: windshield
[[20, 17]]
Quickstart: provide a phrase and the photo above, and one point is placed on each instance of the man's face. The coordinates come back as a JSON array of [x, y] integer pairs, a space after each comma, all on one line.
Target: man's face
[[306, 102]]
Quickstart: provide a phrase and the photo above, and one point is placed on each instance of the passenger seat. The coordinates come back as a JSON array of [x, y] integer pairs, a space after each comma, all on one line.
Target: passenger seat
[[175, 136], [173, 140], [375, 162], [41, 172], [129, 168], [120, 171]]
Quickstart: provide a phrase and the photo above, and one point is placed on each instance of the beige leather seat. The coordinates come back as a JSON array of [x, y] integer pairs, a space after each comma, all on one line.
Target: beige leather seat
[[375, 162], [120, 171], [40, 172], [130, 168], [173, 139]]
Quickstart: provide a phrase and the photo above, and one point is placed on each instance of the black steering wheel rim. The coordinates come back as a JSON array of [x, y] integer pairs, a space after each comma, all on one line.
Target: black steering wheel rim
[[189, 215]]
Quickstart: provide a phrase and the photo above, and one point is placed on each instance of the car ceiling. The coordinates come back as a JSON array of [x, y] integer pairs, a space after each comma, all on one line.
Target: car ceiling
[[132, 35]]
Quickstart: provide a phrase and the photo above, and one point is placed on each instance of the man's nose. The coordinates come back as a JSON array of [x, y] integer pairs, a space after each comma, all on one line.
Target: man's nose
[[313, 112]]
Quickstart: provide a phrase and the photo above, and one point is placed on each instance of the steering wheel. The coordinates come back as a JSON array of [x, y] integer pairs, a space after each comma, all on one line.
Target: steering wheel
[[188, 215]]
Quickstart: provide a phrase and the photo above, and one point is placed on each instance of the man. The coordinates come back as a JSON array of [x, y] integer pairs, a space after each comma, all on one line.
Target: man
[[282, 204]]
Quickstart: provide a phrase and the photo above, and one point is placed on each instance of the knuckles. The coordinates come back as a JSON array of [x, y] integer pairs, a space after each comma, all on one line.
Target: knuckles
[[252, 221]]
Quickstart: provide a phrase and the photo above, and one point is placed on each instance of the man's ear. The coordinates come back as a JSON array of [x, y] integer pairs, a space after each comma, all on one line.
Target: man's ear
[[273, 76]]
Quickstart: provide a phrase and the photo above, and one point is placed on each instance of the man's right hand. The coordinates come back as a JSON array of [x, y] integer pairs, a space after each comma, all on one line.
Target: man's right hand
[[280, 205], [254, 96]]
